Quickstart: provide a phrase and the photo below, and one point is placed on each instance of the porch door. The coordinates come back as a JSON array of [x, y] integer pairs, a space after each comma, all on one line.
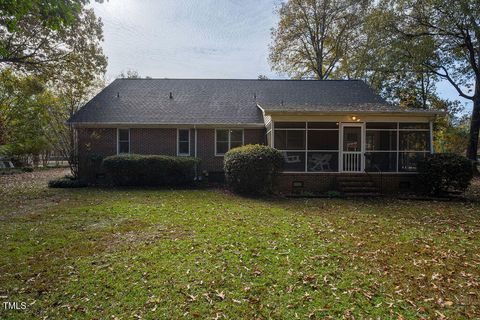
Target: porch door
[[352, 147]]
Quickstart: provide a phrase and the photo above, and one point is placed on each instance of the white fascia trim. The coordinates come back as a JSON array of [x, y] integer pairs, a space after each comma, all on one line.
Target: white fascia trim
[[169, 125], [276, 112]]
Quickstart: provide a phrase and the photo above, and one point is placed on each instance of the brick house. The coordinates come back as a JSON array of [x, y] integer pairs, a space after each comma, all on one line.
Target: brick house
[[333, 134]]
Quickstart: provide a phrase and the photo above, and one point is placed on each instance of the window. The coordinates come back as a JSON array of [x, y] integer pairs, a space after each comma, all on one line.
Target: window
[[307, 147], [226, 139], [236, 138], [183, 145], [123, 143]]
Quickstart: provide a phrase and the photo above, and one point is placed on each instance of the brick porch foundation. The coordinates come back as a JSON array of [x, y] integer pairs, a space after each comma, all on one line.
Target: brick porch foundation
[[323, 182]]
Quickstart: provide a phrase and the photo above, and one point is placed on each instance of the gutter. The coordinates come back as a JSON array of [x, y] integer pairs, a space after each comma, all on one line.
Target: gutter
[[195, 143], [165, 125], [318, 113]]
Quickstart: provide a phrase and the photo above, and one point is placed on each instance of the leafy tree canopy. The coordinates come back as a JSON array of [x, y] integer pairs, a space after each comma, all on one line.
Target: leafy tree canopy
[[402, 48], [30, 42], [54, 14]]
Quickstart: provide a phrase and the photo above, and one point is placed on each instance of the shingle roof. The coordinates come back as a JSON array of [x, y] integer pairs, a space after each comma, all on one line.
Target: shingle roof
[[220, 101]]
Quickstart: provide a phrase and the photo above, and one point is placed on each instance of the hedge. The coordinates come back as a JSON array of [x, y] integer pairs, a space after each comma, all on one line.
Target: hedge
[[252, 169], [67, 182], [149, 170], [443, 172]]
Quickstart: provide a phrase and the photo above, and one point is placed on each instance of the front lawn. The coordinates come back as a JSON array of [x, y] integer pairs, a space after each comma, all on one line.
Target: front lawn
[[153, 254]]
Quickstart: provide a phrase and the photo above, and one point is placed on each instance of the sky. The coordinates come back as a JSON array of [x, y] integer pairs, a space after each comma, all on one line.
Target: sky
[[194, 39]]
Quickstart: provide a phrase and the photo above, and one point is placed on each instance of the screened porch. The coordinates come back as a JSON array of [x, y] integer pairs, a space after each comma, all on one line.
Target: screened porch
[[351, 146]]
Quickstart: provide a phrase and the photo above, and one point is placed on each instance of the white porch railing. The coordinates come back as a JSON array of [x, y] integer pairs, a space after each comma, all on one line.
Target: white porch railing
[[352, 161]]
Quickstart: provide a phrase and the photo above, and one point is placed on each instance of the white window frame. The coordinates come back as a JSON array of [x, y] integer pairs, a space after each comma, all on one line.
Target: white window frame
[[118, 140], [178, 143], [217, 154]]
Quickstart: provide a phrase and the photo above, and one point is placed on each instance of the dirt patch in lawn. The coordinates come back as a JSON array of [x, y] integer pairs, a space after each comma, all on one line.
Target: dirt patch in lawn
[[38, 178], [144, 236], [26, 192]]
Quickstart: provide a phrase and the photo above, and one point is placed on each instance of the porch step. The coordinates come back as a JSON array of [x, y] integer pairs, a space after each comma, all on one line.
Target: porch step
[[360, 189], [358, 186], [362, 194], [366, 183]]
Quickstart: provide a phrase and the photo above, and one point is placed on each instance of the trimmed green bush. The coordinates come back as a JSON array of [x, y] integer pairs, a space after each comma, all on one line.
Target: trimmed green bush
[[443, 172], [252, 169], [67, 182], [150, 170]]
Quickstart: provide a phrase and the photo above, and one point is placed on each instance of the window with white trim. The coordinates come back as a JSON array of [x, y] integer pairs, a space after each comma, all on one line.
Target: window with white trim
[[226, 139], [183, 142], [123, 141]]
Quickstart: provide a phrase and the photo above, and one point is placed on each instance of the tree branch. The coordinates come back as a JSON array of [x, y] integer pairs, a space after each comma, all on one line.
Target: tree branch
[[447, 76]]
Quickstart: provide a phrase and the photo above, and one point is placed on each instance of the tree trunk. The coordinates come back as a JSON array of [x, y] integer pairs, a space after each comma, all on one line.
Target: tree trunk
[[474, 125]]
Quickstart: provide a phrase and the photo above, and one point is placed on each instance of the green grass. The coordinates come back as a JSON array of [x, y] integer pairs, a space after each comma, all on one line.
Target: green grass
[[154, 254]]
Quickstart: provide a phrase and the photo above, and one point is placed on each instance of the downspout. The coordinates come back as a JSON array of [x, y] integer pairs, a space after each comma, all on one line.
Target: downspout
[[431, 137], [195, 138]]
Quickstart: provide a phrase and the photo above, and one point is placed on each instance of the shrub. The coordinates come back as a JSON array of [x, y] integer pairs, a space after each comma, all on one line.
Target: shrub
[[67, 182], [150, 170], [443, 172], [7, 171], [252, 169]]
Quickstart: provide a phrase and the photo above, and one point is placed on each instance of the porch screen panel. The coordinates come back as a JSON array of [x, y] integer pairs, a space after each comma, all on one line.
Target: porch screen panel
[[396, 147], [323, 147], [381, 147], [322, 161], [308, 147], [414, 145], [290, 137]]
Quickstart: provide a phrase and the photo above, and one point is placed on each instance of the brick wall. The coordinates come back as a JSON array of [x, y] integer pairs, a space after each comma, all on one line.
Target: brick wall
[[92, 143], [206, 147], [206, 151], [318, 182], [153, 141], [103, 142]]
